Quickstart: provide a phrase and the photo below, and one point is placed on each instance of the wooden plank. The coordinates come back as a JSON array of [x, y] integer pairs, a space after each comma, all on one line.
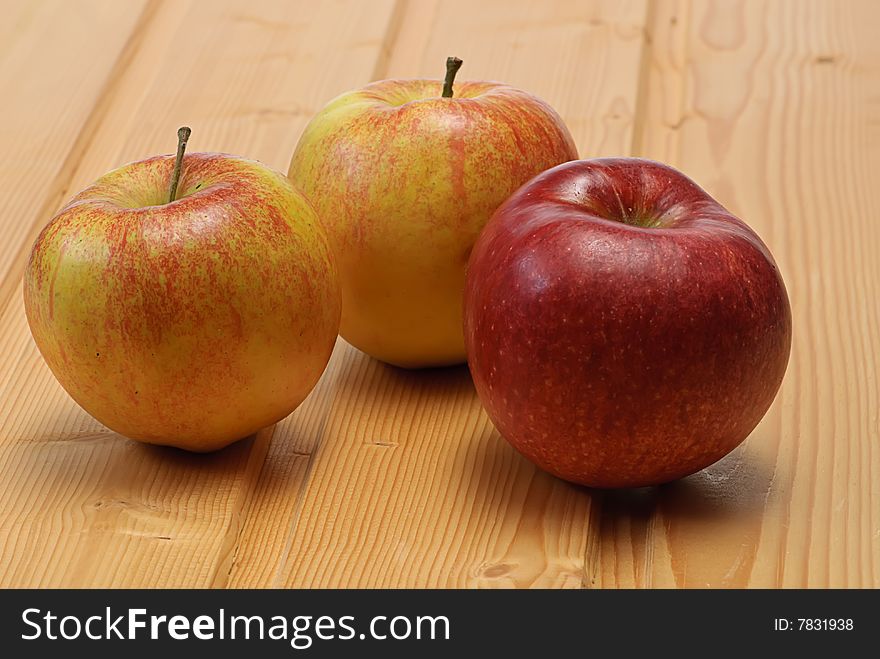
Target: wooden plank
[[278, 494], [391, 478], [81, 506], [773, 107], [409, 485], [72, 55]]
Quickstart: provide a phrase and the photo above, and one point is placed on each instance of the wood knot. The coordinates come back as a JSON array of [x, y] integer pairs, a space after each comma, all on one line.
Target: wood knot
[[496, 570]]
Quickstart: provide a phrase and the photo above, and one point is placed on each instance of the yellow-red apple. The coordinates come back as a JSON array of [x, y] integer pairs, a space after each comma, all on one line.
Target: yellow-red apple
[[190, 319], [404, 179]]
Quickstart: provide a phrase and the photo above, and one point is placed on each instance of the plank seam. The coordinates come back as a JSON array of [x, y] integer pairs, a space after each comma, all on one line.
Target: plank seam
[[231, 541], [389, 41], [643, 81], [278, 577], [592, 559]]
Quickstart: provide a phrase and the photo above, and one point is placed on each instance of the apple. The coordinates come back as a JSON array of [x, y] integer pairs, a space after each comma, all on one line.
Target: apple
[[404, 174], [623, 329], [190, 319]]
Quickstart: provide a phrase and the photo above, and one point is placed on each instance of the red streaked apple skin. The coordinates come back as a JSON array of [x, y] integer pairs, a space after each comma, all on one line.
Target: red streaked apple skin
[[191, 324], [613, 354], [404, 181]]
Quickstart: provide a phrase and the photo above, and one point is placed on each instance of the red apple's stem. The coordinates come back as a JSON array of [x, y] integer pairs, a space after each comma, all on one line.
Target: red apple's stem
[[183, 134], [453, 64]]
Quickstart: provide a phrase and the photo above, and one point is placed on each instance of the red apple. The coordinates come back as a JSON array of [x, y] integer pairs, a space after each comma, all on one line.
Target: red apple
[[622, 327], [192, 314]]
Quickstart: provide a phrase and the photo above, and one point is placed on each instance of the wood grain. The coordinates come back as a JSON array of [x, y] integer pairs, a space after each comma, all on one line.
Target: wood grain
[[393, 478], [82, 506], [409, 485], [90, 47], [773, 108]]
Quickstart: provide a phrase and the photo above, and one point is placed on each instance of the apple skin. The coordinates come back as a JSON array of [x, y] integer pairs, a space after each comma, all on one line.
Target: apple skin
[[194, 323], [404, 180], [623, 329]]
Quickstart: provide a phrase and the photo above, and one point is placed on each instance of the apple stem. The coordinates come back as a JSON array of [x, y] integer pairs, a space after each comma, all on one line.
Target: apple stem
[[183, 134], [453, 64]]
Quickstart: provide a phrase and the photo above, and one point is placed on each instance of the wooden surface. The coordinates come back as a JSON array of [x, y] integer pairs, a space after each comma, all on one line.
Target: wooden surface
[[392, 478]]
